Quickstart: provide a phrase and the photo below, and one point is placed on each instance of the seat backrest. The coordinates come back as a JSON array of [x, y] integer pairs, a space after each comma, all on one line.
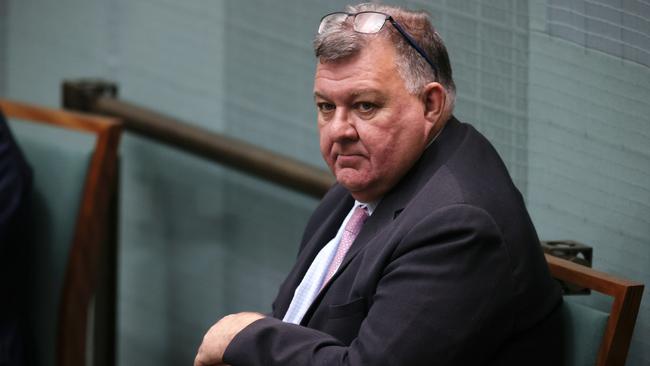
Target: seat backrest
[[592, 336], [74, 162], [584, 328]]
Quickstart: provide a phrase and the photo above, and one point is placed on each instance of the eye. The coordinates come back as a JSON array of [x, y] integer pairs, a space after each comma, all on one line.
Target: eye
[[365, 107], [324, 107]]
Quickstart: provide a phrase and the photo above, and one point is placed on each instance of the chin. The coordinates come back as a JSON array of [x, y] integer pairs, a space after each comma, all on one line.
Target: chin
[[353, 179], [356, 188], [351, 185]]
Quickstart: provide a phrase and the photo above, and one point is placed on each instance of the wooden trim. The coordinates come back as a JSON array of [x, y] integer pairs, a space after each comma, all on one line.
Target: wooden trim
[[627, 299], [100, 96], [237, 154], [91, 230], [61, 118]]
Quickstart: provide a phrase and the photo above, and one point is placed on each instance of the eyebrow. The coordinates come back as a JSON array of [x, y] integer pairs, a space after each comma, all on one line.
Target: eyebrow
[[355, 94], [319, 95]]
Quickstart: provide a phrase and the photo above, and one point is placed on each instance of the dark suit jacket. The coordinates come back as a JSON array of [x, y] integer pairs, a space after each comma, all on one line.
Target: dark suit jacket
[[15, 192], [447, 271]]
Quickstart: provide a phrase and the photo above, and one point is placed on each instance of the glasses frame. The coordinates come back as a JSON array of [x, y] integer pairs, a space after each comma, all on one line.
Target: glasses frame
[[409, 39]]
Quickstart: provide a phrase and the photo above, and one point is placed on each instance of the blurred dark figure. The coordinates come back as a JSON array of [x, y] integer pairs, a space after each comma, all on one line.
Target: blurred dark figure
[[15, 196]]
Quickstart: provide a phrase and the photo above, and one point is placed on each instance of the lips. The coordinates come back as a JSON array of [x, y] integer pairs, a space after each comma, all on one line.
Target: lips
[[348, 159]]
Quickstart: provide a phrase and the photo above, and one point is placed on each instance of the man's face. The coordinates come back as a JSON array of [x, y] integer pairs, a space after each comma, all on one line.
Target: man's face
[[371, 129]]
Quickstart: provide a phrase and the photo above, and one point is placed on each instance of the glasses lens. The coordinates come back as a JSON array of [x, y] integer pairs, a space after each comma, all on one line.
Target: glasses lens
[[369, 22], [330, 20]]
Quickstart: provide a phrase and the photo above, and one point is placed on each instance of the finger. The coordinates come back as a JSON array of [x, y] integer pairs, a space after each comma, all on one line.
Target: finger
[[199, 360]]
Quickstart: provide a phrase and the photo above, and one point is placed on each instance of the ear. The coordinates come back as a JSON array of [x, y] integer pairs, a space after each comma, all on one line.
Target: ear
[[435, 98]]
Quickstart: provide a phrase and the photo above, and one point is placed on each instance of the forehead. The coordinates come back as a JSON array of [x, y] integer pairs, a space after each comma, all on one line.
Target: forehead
[[373, 68]]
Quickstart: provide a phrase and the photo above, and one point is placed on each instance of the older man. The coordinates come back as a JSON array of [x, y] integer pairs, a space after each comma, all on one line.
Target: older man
[[423, 253]]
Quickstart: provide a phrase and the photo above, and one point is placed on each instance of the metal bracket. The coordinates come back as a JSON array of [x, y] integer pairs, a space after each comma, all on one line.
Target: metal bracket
[[572, 251], [81, 94]]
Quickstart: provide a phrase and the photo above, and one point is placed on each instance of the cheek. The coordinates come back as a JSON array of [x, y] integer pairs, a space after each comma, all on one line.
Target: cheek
[[389, 150], [325, 146], [380, 143], [383, 159]]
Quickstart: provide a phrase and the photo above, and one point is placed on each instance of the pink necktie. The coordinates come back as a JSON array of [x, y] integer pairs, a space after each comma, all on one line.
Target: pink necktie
[[351, 231]]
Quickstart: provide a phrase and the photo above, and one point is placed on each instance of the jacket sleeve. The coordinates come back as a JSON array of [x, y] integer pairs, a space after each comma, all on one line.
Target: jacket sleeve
[[444, 298], [15, 182]]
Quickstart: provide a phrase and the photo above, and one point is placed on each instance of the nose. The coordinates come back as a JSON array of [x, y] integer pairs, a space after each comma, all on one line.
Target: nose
[[342, 128]]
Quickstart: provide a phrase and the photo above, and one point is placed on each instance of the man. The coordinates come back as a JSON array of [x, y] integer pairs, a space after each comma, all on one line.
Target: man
[[15, 193], [441, 264]]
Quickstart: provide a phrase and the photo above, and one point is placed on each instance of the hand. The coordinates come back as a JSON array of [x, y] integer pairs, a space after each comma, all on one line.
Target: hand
[[219, 336]]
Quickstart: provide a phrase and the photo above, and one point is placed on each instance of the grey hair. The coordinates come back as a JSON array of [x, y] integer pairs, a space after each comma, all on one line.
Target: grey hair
[[340, 41]]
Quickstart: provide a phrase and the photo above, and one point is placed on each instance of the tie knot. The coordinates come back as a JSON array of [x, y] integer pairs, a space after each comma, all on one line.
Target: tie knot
[[359, 216]]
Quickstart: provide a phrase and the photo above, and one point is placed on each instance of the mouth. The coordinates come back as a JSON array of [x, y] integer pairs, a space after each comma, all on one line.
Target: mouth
[[348, 159]]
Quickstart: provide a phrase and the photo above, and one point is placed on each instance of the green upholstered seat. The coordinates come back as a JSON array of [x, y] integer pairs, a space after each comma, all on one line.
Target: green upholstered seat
[[584, 328], [60, 159], [593, 337], [74, 162]]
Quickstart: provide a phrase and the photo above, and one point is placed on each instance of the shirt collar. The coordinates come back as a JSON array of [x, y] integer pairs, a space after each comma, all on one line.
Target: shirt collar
[[369, 206]]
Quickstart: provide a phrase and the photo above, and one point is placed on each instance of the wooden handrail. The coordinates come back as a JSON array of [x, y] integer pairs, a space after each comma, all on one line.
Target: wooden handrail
[[98, 97], [235, 153]]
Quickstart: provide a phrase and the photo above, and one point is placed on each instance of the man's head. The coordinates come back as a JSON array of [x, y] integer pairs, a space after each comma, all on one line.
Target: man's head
[[339, 40], [379, 101]]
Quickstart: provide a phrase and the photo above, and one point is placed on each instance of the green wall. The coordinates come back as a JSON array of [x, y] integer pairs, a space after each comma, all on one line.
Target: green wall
[[560, 87], [589, 157]]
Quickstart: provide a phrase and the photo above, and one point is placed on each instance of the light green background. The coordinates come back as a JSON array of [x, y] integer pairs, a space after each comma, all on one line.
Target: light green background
[[197, 241]]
